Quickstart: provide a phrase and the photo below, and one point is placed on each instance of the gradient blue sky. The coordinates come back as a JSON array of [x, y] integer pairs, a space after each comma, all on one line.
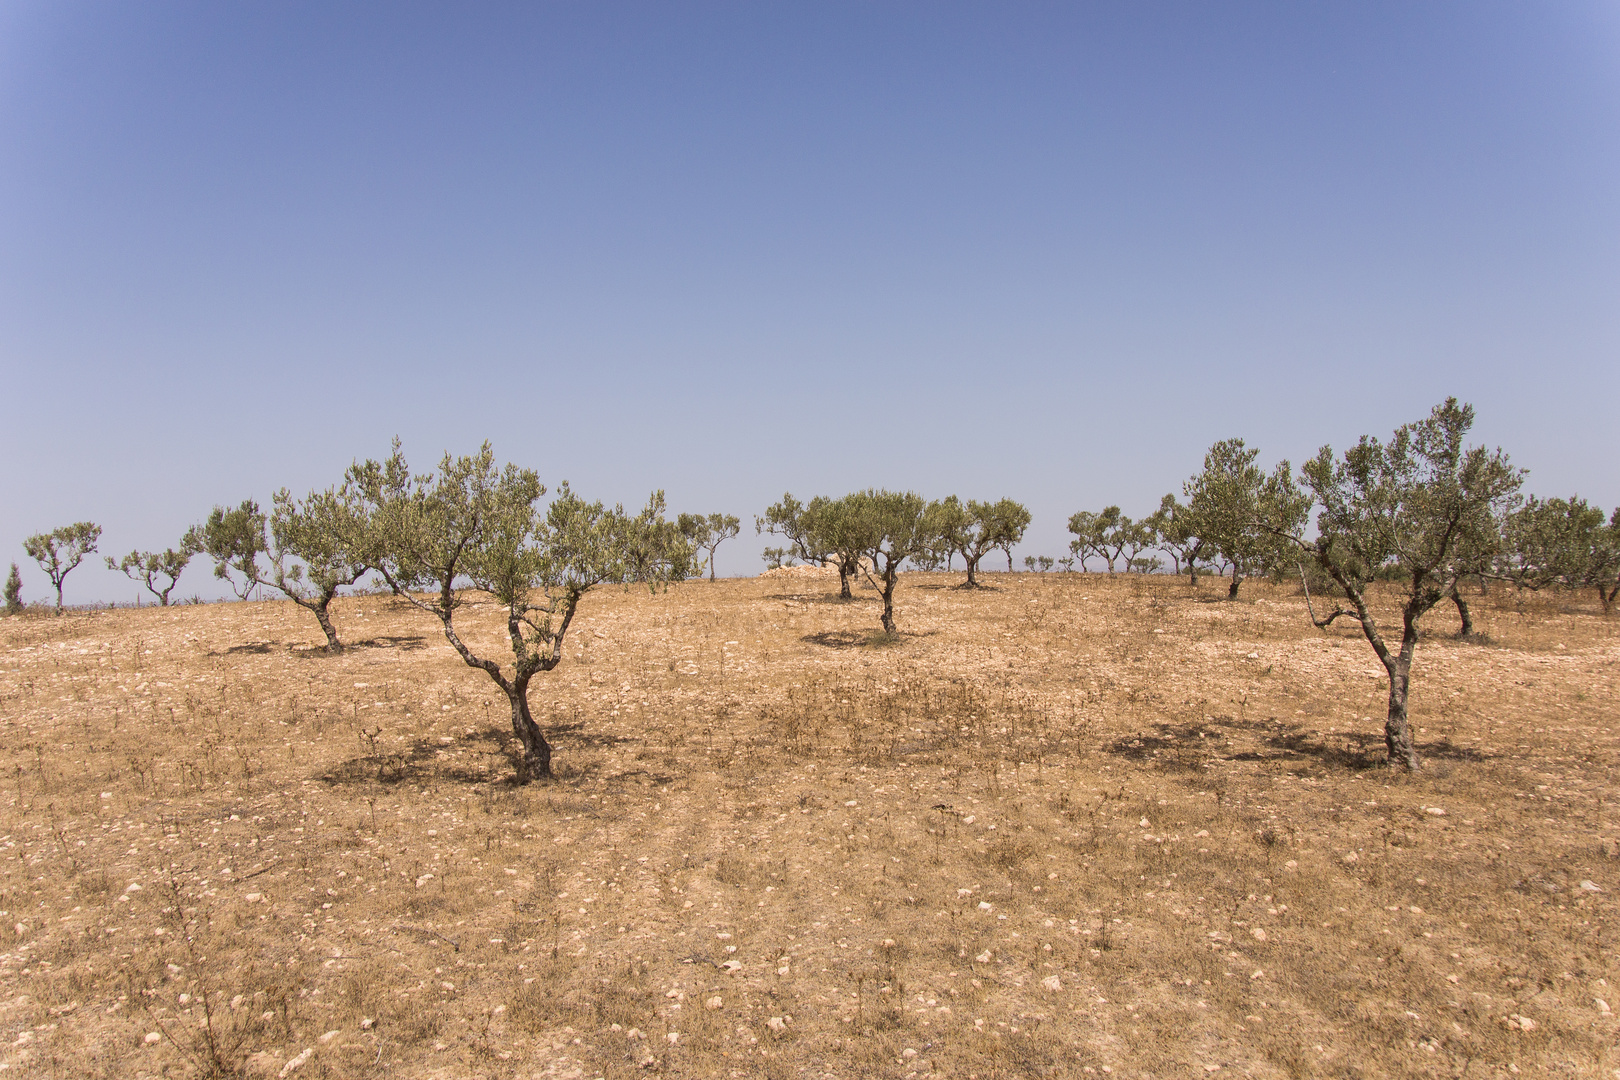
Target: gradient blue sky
[[1046, 251]]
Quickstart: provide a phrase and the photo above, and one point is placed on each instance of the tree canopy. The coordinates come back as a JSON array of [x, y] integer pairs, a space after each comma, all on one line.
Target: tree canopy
[[1424, 507], [1242, 514], [477, 526]]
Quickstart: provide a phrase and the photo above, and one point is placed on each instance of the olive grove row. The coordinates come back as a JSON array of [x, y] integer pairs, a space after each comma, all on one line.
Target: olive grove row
[[1422, 511]]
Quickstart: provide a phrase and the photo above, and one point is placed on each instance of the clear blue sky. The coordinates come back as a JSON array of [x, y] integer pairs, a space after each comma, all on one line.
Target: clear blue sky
[[1046, 251]]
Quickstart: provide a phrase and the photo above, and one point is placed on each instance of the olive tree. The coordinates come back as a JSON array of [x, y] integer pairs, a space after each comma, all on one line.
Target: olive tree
[[311, 547], [1563, 543], [980, 528], [816, 533], [1110, 535], [887, 528], [60, 550], [708, 533], [233, 536], [1173, 524], [475, 526], [1241, 513], [148, 567], [1423, 508]]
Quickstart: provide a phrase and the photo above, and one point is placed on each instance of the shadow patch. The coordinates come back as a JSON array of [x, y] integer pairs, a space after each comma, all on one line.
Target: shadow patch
[[838, 639], [257, 648]]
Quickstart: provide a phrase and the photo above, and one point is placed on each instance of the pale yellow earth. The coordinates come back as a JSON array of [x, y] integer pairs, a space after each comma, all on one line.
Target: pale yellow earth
[[1068, 825]]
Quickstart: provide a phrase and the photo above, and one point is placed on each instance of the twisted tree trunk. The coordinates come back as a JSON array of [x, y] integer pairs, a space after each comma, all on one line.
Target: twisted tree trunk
[[534, 762]]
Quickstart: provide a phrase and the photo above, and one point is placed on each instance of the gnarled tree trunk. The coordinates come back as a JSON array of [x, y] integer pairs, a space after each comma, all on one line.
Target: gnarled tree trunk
[[1463, 614], [318, 608], [1397, 725], [534, 760]]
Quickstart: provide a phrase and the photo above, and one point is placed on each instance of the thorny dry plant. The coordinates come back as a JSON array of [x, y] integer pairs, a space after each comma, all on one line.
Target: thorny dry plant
[[1071, 825]]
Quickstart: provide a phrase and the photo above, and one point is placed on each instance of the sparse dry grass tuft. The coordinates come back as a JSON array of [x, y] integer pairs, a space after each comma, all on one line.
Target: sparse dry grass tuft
[[1067, 825]]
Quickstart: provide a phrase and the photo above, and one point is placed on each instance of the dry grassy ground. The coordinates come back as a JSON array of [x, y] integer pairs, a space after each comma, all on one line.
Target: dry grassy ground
[[1065, 826]]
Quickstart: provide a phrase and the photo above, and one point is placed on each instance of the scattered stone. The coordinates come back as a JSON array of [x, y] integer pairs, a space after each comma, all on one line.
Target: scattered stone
[[715, 1002], [152, 1038], [297, 1060], [1258, 934], [1052, 982], [984, 957], [1591, 886], [776, 1024]]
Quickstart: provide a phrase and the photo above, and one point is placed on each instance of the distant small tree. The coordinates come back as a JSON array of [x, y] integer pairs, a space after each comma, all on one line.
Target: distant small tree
[[982, 528], [1086, 528], [475, 525], [233, 536], [312, 547], [1109, 534], [1423, 506], [817, 533], [1138, 537], [60, 550], [1243, 513], [954, 533], [14, 602], [147, 567], [1563, 543], [1001, 523], [888, 528], [1173, 524], [1029, 563], [708, 533], [797, 524]]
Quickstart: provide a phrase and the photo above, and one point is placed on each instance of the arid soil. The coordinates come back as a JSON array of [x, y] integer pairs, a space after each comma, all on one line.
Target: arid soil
[[1068, 825]]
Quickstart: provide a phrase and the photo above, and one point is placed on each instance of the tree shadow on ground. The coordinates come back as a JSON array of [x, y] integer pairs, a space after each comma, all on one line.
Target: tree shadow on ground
[[838, 639], [409, 643], [255, 648], [429, 758], [1182, 746], [485, 756], [813, 598]]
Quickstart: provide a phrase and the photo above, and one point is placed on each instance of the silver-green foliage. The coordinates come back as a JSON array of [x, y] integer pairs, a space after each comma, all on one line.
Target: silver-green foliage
[[885, 529], [978, 528], [1423, 507], [1243, 514], [159, 571], [475, 526], [60, 550], [1111, 535], [708, 533], [310, 547], [1563, 543]]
